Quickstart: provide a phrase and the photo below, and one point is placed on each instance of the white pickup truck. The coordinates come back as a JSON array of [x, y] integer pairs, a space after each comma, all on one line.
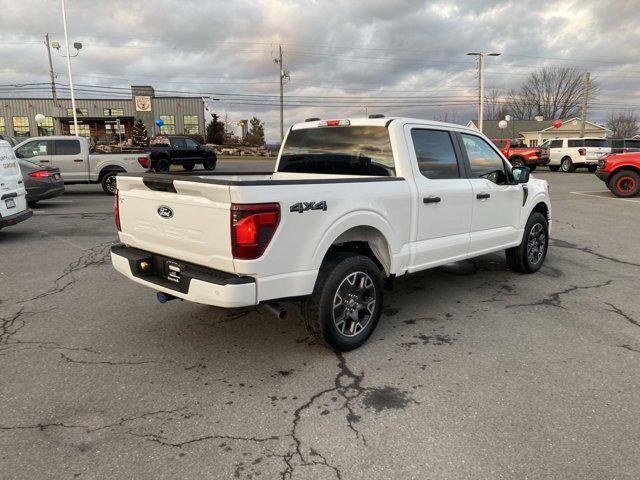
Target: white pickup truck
[[350, 204], [77, 163]]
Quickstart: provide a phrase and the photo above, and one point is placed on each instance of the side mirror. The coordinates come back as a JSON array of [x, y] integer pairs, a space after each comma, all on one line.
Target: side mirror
[[520, 174]]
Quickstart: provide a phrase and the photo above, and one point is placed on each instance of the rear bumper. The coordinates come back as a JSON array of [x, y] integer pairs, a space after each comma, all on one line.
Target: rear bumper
[[16, 218], [197, 284], [42, 192]]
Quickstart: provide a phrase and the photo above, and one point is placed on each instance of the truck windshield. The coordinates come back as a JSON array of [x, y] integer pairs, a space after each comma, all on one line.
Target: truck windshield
[[360, 150]]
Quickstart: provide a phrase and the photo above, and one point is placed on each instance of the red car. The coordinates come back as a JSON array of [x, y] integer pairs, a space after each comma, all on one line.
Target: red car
[[519, 155], [621, 173]]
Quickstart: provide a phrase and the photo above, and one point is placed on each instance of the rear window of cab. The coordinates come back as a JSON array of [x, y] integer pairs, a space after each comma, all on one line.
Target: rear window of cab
[[342, 150]]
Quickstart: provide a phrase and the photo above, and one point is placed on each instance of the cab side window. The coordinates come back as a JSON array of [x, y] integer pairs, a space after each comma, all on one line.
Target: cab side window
[[178, 143], [67, 147], [435, 154], [33, 149], [484, 160], [191, 144]]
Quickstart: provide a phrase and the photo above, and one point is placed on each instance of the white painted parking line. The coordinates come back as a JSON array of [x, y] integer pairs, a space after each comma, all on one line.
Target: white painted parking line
[[606, 194], [64, 240]]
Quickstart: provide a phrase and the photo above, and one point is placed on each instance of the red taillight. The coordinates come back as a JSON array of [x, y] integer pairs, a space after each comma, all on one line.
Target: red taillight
[[116, 211], [144, 162], [582, 152], [252, 227], [40, 174]]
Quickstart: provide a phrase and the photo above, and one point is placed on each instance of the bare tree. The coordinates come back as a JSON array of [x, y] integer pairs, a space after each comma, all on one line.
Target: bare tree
[[553, 92], [494, 105], [623, 125], [446, 117]]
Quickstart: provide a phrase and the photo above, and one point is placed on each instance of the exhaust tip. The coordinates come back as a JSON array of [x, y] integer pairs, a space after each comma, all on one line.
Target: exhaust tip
[[277, 310]]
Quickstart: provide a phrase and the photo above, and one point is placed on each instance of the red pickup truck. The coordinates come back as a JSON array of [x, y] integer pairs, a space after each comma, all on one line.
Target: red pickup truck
[[621, 173], [519, 155]]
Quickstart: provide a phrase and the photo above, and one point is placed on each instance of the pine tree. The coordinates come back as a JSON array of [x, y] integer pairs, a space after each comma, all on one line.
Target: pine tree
[[215, 131], [139, 134], [256, 132]]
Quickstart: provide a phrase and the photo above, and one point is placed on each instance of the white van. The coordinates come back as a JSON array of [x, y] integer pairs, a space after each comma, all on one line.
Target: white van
[[13, 195]]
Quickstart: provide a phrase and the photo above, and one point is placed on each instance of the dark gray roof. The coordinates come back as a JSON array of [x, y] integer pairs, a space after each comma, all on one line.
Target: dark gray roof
[[513, 129]]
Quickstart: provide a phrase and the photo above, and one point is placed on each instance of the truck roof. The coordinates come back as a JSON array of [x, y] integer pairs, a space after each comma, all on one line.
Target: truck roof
[[383, 122]]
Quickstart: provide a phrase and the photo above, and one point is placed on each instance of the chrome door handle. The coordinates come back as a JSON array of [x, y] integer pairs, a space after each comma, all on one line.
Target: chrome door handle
[[77, 160], [431, 199], [483, 196]]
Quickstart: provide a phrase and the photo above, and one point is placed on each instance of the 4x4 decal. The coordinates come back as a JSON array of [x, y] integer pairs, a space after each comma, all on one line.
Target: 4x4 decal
[[304, 206]]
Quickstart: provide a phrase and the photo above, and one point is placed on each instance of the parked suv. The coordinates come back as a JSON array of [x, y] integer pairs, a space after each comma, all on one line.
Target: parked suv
[[519, 155], [567, 154], [621, 173], [167, 150]]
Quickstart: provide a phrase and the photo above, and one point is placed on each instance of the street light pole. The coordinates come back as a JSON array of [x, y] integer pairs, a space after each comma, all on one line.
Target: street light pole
[[480, 56], [66, 41]]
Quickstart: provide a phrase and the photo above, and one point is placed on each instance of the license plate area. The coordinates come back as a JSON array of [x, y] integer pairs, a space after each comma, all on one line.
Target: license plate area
[[173, 270], [10, 203]]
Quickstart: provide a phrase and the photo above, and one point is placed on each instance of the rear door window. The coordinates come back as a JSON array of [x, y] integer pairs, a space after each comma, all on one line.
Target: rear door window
[[357, 150], [575, 143], [178, 143], [67, 147], [33, 149], [435, 154]]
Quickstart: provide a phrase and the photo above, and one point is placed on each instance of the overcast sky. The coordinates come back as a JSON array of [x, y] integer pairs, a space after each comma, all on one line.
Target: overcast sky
[[373, 54]]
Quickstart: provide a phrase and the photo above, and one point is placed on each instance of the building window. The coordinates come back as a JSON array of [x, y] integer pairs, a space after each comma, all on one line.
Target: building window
[[111, 128], [169, 125], [83, 112], [21, 126], [3, 127], [83, 129], [113, 112], [46, 128], [190, 124], [533, 143]]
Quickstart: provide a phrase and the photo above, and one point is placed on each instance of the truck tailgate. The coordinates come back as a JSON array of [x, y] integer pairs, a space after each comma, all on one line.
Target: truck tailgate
[[191, 224]]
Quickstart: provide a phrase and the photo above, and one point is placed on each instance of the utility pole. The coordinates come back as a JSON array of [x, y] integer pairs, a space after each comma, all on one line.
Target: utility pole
[[66, 41], [480, 56], [284, 75], [53, 77], [585, 103]]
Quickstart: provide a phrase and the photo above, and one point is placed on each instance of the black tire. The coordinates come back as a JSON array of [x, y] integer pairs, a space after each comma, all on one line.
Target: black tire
[[163, 165], [32, 203], [209, 163], [554, 168], [624, 184], [108, 182], [592, 168], [566, 165], [319, 309], [532, 167], [517, 162], [529, 256], [188, 166]]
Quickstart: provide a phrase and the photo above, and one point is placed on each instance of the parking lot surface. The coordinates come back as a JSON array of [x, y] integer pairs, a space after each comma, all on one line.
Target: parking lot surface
[[473, 372]]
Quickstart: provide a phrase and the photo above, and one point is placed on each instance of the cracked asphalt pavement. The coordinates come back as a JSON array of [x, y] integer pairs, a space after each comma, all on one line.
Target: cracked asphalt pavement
[[473, 372]]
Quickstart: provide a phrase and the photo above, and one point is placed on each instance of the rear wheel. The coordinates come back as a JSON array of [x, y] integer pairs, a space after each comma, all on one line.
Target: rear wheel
[[529, 256], [345, 305], [188, 166], [567, 165], [625, 183], [554, 168], [163, 165], [209, 163], [517, 162], [108, 183], [532, 168], [592, 168]]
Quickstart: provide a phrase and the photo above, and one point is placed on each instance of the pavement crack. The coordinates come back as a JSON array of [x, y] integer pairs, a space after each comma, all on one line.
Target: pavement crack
[[104, 362], [564, 244], [627, 317], [629, 347], [555, 298]]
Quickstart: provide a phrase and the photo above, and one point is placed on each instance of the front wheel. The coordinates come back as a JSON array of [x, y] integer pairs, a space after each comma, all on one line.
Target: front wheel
[[345, 305], [109, 183], [624, 184], [209, 163], [529, 256]]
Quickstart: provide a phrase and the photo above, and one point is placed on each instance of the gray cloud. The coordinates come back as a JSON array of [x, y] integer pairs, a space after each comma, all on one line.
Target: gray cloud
[[371, 49]]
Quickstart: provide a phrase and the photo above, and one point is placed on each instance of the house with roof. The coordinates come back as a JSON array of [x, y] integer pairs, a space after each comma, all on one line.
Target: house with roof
[[534, 133]]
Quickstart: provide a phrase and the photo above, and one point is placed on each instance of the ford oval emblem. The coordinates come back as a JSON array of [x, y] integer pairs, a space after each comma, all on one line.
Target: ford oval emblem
[[165, 212]]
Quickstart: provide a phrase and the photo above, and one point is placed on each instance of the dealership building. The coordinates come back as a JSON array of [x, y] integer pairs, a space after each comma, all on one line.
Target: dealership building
[[103, 117]]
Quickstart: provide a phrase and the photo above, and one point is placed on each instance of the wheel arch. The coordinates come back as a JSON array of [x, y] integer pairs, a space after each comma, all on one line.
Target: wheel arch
[[110, 168], [620, 168], [363, 233]]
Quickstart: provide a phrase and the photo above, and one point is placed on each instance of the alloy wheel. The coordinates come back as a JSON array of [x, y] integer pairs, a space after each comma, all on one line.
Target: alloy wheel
[[354, 304], [536, 244]]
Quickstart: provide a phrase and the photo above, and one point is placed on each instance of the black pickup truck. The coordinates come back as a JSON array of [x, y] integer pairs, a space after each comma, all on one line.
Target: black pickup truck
[[167, 150]]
